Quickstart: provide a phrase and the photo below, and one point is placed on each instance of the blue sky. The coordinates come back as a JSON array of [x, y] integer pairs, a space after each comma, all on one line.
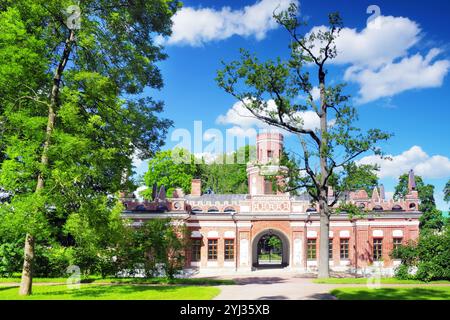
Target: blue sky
[[396, 70]]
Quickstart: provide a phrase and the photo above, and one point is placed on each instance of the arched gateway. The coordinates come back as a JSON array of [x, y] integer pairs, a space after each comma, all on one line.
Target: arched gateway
[[270, 249]]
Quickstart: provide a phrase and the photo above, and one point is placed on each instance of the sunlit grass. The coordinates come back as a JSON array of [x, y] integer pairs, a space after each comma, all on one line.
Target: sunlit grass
[[397, 293], [382, 280], [112, 292], [97, 279]]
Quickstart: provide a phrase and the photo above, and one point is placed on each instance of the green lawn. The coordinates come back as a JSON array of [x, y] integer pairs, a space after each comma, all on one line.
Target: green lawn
[[113, 292], [266, 256], [96, 279], [382, 280], [397, 293]]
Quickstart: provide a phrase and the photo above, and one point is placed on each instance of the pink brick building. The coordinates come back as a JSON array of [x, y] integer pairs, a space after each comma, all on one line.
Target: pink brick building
[[229, 231]]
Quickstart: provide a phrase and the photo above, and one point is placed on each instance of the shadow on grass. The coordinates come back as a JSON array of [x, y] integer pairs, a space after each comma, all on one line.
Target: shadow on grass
[[2, 288], [436, 293], [273, 298], [99, 291]]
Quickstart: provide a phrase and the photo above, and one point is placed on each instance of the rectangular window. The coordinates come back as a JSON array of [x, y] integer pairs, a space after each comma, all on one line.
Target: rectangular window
[[196, 247], [229, 249], [344, 249], [212, 249], [269, 154], [312, 248], [397, 242], [330, 249], [377, 249]]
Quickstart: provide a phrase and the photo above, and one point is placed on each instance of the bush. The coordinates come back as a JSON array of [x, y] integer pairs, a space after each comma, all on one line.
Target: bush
[[431, 257], [11, 258], [52, 261]]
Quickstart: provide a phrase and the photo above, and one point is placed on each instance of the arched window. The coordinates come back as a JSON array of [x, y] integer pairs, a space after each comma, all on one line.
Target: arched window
[[377, 208], [361, 205], [213, 209], [140, 208], [229, 210], [412, 205], [196, 210], [397, 208]]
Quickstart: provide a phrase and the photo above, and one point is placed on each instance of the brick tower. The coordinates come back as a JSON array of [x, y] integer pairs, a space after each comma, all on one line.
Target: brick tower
[[269, 148]]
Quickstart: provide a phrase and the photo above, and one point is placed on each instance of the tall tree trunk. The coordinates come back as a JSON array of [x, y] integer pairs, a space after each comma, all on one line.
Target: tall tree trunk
[[27, 270], [324, 266]]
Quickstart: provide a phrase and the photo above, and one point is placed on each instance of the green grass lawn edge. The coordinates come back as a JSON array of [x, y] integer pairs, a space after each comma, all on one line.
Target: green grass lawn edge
[[392, 293], [382, 280], [163, 281], [112, 292]]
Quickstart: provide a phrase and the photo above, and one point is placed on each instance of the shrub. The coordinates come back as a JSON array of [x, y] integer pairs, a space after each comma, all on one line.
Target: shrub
[[431, 257]]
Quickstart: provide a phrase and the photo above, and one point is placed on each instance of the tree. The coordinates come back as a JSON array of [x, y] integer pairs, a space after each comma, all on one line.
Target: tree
[[228, 173], [432, 218], [430, 255], [169, 169], [72, 113], [270, 91], [447, 191]]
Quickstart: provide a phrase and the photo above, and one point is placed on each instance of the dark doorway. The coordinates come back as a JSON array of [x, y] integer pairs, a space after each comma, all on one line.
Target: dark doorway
[[270, 251]]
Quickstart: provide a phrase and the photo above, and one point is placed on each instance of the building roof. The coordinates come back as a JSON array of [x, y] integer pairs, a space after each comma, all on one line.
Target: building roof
[[217, 197]]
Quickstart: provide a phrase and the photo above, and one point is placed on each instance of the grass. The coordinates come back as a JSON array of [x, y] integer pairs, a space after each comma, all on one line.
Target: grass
[[112, 292], [163, 281], [382, 280], [272, 256], [397, 293]]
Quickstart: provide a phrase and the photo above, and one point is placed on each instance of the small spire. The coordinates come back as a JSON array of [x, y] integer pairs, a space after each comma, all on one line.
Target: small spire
[[382, 193], [375, 195], [411, 181]]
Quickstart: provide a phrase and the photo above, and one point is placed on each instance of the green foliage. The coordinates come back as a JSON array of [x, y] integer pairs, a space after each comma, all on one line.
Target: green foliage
[[275, 243], [430, 255], [102, 118], [154, 245], [228, 173], [360, 177], [352, 210], [171, 169], [447, 191]]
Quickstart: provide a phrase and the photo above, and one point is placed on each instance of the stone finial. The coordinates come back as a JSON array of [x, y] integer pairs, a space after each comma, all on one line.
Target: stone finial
[[375, 195], [411, 181], [382, 193]]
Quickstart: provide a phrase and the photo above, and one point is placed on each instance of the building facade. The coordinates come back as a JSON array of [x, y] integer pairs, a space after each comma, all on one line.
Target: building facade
[[230, 232]]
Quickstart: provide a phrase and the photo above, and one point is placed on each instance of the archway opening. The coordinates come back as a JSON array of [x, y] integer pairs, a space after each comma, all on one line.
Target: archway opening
[[270, 250]]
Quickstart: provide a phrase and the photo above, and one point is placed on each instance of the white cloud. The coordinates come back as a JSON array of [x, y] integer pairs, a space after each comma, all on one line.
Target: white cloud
[[239, 115], [410, 73], [315, 93], [195, 27], [241, 132], [380, 61], [415, 158], [381, 41]]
